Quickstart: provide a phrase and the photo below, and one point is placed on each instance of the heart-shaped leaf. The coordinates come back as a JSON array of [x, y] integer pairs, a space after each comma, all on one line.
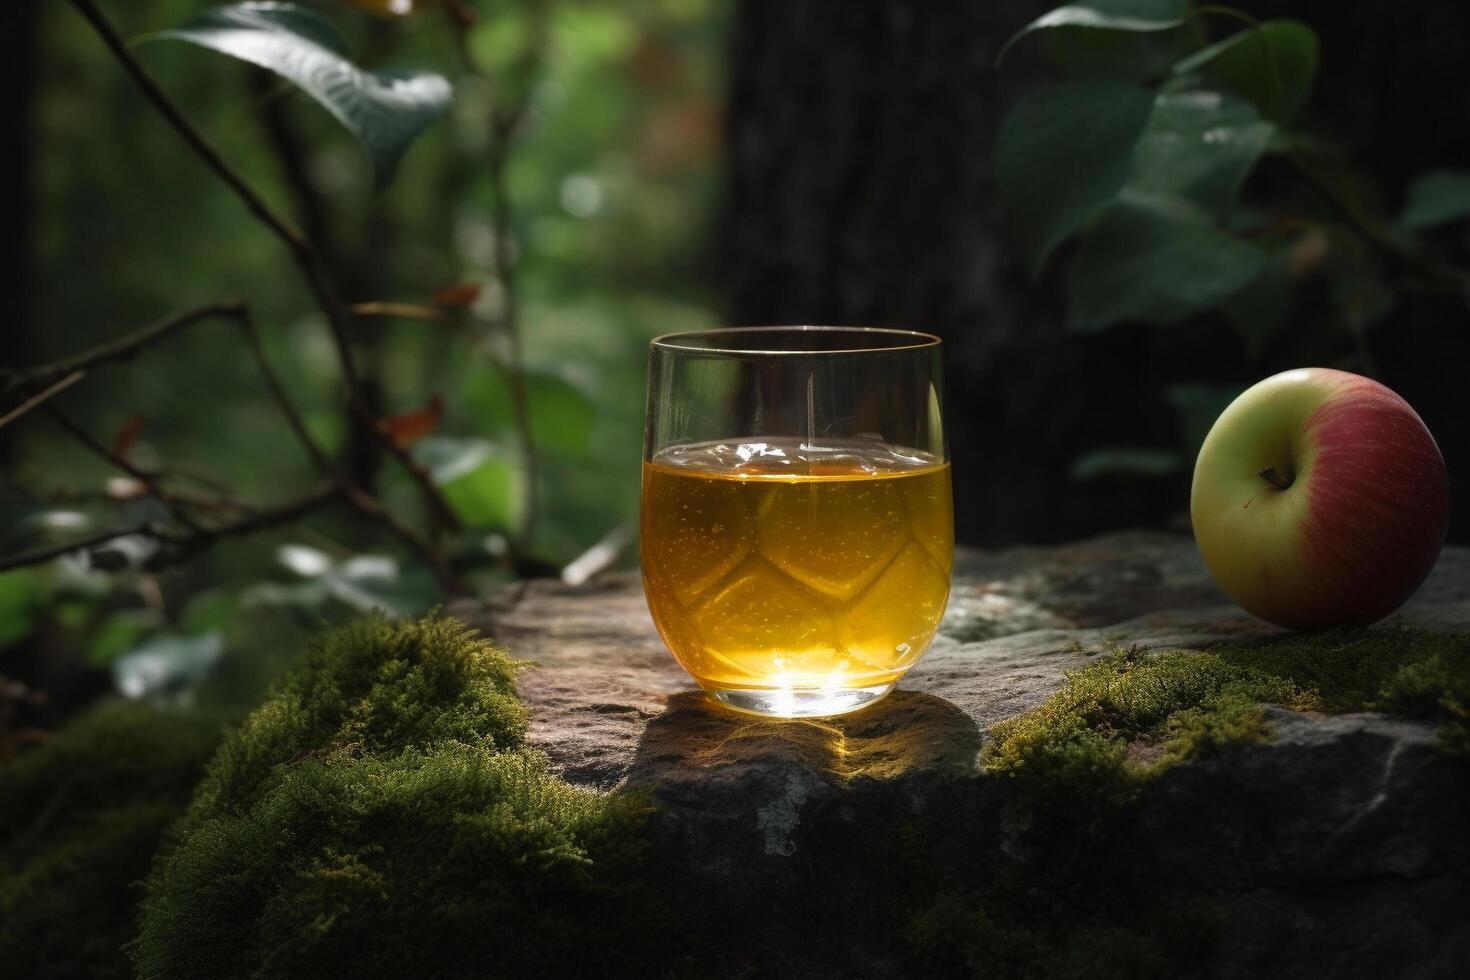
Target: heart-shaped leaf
[[457, 295], [1138, 56], [1199, 144], [386, 110], [479, 483], [407, 428], [1155, 259], [1062, 154], [1273, 65], [1437, 198], [1133, 16]]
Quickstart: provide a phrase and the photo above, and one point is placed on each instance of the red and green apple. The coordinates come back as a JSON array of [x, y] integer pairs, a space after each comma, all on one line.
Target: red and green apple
[[1319, 499]]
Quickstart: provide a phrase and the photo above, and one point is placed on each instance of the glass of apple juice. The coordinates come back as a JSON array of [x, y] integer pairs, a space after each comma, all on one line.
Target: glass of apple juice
[[796, 525]]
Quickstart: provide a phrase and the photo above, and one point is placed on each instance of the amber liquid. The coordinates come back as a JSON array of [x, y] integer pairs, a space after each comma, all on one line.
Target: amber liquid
[[777, 565]]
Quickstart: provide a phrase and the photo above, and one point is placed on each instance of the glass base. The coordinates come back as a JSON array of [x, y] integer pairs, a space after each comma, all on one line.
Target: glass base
[[783, 702]]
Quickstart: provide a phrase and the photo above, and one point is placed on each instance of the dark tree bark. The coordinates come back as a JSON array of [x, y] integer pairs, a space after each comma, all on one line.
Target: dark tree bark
[[859, 191], [19, 24], [860, 142]]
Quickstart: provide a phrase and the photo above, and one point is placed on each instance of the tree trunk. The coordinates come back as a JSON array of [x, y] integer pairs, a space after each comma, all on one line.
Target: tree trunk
[[859, 192]]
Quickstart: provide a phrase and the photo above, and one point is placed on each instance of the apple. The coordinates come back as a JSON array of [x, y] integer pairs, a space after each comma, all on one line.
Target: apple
[[1319, 499]]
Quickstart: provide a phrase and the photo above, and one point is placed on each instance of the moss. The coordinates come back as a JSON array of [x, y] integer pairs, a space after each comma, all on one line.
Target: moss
[[1065, 895], [82, 816], [367, 688], [380, 816]]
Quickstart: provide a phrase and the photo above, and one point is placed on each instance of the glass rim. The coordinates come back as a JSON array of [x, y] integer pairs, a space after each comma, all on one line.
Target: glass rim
[[687, 341]]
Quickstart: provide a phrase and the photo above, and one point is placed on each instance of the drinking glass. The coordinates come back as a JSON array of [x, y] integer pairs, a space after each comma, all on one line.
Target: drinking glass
[[796, 525]]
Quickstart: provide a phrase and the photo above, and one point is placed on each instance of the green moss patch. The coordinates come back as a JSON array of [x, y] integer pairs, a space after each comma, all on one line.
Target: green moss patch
[[380, 816], [80, 821], [1064, 895]]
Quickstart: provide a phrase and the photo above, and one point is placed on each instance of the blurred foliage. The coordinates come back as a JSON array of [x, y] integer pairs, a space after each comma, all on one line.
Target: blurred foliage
[[1145, 155], [80, 821], [610, 178]]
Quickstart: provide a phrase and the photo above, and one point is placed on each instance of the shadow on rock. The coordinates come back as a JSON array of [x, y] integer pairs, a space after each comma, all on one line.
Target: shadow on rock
[[785, 832], [905, 733]]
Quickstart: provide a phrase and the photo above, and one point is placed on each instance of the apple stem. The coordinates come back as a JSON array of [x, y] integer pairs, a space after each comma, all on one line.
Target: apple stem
[[1269, 474]]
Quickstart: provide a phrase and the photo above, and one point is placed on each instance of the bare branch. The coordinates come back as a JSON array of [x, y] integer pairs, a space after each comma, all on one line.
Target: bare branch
[[278, 392], [55, 388], [1372, 231], [369, 506], [260, 520], [407, 311], [178, 547], [42, 555], [365, 503], [118, 350], [148, 480], [300, 248]]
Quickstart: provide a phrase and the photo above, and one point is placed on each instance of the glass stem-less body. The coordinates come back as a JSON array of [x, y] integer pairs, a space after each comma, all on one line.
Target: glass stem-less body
[[813, 572], [796, 526]]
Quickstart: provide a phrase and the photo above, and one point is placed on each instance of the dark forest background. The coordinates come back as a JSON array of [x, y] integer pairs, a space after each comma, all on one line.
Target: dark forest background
[[670, 165], [859, 191]]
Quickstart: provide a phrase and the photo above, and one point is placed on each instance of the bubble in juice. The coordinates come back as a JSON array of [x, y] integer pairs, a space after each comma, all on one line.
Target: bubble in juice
[[779, 564]]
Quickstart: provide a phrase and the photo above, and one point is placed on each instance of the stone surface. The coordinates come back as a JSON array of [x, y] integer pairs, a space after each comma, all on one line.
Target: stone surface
[[1303, 842]]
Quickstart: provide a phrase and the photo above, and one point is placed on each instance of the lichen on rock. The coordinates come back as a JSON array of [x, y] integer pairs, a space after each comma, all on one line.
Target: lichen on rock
[[379, 815]]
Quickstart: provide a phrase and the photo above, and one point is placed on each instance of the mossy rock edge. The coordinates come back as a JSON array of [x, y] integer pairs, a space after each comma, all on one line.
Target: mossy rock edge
[[380, 815], [1070, 892]]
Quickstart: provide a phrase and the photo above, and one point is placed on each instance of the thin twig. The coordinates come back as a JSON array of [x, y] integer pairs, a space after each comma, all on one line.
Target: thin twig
[[72, 495], [260, 520], [505, 120], [278, 392], [300, 248], [369, 506], [54, 389], [364, 502], [407, 311], [1373, 233], [120, 349], [148, 480], [42, 555], [178, 547]]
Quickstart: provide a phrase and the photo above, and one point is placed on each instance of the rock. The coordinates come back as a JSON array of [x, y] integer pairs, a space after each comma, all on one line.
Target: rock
[[1339, 848]]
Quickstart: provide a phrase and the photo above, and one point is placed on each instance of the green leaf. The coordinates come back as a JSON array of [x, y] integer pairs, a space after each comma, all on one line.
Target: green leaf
[[1437, 198], [1140, 57], [386, 110], [1062, 154], [119, 634], [213, 609], [1273, 65], [373, 583], [478, 483], [1155, 259], [1125, 461], [562, 416], [1132, 16], [1201, 145], [366, 583], [487, 497], [21, 595]]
